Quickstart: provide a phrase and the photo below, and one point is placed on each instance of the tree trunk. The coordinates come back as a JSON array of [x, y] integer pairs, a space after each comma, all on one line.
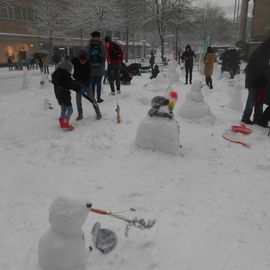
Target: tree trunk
[[127, 43], [50, 45], [176, 43]]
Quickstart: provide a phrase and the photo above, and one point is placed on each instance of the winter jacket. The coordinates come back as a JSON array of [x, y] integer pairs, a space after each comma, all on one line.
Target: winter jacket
[[258, 69], [82, 72], [98, 71], [209, 61], [111, 60], [187, 56], [230, 61], [61, 77]]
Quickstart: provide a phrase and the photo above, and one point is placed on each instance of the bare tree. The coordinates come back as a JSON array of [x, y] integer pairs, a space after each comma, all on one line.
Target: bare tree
[[80, 16], [163, 12], [132, 18], [211, 21], [49, 19]]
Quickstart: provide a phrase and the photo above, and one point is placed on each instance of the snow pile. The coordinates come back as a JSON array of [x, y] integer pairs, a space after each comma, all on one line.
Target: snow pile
[[159, 131], [25, 80], [62, 247], [234, 93], [172, 73], [160, 83], [194, 106]]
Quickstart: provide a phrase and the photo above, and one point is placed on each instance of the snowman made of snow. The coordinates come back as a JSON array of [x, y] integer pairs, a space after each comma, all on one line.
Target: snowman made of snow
[[194, 106], [62, 247], [159, 130], [172, 73]]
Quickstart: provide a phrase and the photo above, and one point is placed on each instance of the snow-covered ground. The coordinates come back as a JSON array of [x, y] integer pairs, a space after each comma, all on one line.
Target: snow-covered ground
[[211, 202]]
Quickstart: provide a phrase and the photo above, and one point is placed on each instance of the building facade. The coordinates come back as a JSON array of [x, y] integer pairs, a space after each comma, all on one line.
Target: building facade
[[18, 40]]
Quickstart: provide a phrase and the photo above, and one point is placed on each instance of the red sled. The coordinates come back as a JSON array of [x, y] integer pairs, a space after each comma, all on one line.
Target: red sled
[[241, 129]]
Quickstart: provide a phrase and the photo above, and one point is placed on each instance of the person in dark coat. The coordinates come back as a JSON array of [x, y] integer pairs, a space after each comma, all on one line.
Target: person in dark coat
[[82, 74], [230, 62], [155, 72], [125, 75], [152, 61], [257, 76], [9, 61], [63, 83], [187, 57]]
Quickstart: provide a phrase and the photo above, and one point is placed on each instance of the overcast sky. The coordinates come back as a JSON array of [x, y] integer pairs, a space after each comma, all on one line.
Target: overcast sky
[[225, 3]]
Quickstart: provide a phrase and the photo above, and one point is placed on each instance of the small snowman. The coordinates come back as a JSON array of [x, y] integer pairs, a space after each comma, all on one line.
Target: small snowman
[[234, 93], [62, 247], [159, 130], [194, 106], [172, 73]]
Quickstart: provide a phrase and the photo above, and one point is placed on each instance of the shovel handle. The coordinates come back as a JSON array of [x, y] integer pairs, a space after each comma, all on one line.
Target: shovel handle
[[98, 211]]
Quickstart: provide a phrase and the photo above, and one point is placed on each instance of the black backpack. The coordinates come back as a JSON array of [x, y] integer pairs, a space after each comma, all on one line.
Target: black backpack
[[115, 51], [95, 55]]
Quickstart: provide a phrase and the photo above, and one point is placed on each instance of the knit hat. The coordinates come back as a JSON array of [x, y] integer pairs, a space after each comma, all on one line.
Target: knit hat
[[66, 64], [107, 38], [95, 34], [83, 55]]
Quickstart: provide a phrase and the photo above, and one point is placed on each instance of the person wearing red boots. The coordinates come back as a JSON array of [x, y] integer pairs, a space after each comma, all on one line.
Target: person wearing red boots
[[63, 83]]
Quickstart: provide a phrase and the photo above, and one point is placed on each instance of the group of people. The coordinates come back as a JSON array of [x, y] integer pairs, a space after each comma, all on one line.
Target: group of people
[[258, 84], [88, 70]]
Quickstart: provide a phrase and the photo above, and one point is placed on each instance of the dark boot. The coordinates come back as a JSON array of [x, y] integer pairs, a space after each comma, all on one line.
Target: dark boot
[[79, 117]]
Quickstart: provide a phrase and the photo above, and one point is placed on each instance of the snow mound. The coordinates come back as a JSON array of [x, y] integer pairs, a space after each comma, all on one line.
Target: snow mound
[[62, 247], [194, 106], [234, 93], [160, 83], [161, 134], [172, 73]]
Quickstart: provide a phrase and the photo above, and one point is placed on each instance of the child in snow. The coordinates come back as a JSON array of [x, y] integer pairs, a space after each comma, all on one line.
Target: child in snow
[[155, 72], [61, 78]]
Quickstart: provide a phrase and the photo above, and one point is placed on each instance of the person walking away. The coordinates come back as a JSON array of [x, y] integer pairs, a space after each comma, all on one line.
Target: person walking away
[[257, 76], [187, 57], [97, 58], [9, 61], [209, 60], [82, 74], [45, 61], [115, 56], [152, 61], [63, 83]]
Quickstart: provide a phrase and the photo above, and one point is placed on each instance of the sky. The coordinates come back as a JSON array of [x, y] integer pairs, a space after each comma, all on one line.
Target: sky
[[225, 3]]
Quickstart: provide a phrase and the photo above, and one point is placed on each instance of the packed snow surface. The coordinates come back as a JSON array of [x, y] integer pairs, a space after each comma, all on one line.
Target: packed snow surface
[[211, 202]]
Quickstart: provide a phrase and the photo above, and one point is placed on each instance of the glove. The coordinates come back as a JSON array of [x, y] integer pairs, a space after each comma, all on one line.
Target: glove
[[83, 90]]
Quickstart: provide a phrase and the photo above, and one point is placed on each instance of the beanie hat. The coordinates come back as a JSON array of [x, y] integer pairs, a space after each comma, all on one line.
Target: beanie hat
[[83, 55], [95, 34], [66, 64], [107, 38]]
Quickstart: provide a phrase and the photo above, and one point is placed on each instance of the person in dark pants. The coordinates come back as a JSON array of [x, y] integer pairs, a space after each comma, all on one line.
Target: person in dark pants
[[97, 58], [230, 62], [257, 76], [82, 74], [115, 58], [152, 61], [187, 57], [155, 72], [10, 64]]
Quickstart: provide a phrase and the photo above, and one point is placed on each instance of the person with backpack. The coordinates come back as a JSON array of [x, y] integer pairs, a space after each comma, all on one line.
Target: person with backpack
[[97, 58], [115, 58], [82, 74]]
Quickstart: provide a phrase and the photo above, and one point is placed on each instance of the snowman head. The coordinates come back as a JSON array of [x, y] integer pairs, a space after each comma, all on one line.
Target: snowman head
[[67, 216], [197, 86]]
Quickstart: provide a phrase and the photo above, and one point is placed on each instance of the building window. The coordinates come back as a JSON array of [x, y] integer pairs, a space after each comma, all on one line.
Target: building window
[[24, 14], [17, 13], [30, 14], [10, 13], [3, 12]]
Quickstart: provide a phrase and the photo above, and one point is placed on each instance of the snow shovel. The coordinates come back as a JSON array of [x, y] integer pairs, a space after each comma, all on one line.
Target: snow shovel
[[135, 222]]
